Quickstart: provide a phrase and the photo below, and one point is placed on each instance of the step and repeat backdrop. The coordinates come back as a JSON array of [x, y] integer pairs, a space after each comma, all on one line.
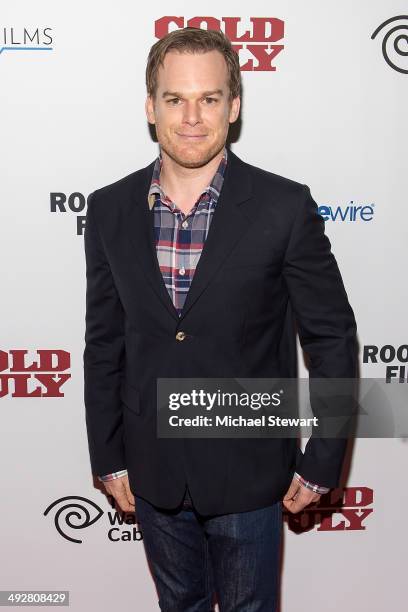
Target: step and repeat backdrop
[[324, 103]]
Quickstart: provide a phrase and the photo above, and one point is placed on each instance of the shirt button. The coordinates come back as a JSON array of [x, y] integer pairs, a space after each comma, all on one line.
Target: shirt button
[[184, 224], [182, 271], [180, 335]]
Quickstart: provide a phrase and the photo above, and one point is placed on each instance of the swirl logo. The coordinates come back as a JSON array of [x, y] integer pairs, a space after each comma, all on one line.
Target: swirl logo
[[395, 42], [77, 507]]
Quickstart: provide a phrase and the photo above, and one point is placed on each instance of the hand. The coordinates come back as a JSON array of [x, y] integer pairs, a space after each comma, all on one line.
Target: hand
[[120, 490], [298, 496]]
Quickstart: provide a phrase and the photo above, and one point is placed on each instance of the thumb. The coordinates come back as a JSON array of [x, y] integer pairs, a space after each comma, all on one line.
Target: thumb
[[294, 487]]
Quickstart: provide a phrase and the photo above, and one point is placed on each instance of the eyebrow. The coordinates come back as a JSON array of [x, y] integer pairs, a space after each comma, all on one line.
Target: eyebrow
[[177, 94]]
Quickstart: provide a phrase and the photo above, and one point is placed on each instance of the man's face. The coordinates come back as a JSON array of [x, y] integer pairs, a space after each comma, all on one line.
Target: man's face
[[192, 110]]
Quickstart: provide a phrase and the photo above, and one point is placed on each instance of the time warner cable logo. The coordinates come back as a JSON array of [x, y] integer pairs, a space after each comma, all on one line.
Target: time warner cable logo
[[394, 36], [74, 512], [25, 39], [349, 213]]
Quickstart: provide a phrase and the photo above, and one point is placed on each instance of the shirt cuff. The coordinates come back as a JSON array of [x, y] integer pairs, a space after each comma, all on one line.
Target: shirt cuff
[[112, 476], [311, 485]]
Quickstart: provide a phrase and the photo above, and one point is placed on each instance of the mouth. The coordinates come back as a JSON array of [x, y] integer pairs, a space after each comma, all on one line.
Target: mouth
[[192, 136]]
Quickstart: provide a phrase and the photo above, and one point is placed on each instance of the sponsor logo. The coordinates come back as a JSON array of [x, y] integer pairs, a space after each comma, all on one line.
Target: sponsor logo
[[343, 509], [396, 358], [74, 512], [75, 202], [350, 213], [25, 39], [42, 377], [255, 42], [394, 42]]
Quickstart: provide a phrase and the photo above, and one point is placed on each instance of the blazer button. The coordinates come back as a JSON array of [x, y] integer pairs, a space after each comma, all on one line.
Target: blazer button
[[180, 335]]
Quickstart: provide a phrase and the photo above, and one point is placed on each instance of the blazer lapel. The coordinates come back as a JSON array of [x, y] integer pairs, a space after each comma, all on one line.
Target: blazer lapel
[[228, 225], [140, 222], [230, 221]]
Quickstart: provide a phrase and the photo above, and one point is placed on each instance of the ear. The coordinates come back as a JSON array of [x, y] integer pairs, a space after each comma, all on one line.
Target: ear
[[149, 108], [234, 110]]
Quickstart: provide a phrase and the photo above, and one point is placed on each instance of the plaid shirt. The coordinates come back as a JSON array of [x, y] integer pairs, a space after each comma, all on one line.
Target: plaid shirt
[[180, 239]]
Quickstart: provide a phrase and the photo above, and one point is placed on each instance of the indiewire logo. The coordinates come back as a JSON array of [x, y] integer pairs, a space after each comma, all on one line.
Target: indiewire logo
[[25, 39], [350, 213]]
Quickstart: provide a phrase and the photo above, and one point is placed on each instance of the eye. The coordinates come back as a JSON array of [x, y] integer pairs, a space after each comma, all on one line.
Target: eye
[[211, 100], [173, 100]]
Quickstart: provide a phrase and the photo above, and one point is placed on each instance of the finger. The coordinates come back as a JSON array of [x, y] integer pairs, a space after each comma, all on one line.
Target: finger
[[293, 489], [298, 504], [129, 494], [119, 493], [123, 502], [294, 505], [303, 499], [292, 495]]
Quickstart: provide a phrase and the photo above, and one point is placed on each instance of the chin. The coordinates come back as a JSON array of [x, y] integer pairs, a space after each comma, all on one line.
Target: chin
[[192, 157], [196, 162]]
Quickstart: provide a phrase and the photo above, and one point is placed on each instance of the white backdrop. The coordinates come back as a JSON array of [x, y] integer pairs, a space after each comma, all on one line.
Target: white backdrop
[[332, 115]]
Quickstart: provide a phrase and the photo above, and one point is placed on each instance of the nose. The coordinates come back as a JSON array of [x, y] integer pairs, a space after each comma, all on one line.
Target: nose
[[192, 112]]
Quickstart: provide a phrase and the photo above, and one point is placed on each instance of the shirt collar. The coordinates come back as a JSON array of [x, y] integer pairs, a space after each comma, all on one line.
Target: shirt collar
[[213, 188]]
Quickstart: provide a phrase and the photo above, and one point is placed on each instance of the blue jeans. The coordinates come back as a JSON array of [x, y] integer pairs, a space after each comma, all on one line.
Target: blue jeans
[[191, 557]]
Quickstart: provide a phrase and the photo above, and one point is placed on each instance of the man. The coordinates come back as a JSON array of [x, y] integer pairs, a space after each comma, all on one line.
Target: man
[[196, 266]]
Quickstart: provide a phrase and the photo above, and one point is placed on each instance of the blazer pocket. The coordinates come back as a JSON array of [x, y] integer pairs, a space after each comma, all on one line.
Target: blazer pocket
[[130, 396]]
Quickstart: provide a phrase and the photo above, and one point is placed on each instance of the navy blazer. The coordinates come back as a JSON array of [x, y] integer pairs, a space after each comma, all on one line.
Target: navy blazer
[[265, 264]]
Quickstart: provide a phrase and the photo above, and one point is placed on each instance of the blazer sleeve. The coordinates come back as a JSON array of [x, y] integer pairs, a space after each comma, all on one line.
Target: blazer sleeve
[[326, 326], [103, 356]]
